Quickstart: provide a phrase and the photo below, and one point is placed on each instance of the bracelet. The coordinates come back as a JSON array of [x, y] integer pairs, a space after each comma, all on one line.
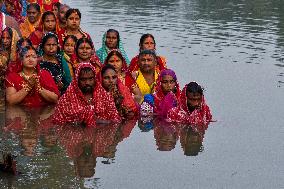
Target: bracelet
[[40, 89], [27, 88]]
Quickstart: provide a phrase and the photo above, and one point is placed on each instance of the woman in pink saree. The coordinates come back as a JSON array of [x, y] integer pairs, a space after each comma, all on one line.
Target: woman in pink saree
[[166, 96]]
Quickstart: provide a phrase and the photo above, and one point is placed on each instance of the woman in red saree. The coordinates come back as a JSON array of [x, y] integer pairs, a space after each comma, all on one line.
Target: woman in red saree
[[73, 20], [122, 97], [192, 108], [46, 5], [16, 65], [147, 41], [74, 108], [30, 86], [14, 9], [48, 24], [116, 59], [85, 52]]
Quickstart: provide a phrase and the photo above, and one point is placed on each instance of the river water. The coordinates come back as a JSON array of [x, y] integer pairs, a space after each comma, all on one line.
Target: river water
[[234, 49]]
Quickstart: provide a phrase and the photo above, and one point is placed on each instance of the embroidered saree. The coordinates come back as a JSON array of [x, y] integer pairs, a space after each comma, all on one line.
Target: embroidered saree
[[33, 99], [72, 107], [181, 114]]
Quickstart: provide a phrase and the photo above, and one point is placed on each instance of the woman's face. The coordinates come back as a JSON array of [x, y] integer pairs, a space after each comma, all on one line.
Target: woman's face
[[30, 59], [49, 23], [50, 47], [73, 21], [6, 39], [167, 83], [148, 44], [111, 40], [194, 99], [69, 46], [55, 10], [109, 79], [9, 8], [85, 51], [116, 62]]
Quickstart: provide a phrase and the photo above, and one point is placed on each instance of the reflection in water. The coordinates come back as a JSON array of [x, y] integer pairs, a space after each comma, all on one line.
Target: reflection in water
[[191, 140], [85, 145], [166, 135], [30, 136]]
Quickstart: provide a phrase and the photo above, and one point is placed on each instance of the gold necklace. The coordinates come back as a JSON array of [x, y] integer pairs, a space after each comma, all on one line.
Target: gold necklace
[[26, 77]]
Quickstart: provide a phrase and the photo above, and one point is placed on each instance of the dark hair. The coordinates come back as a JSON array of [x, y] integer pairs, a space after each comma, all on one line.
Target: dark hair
[[36, 6], [45, 38], [85, 70], [24, 51], [70, 36], [193, 87], [144, 36], [148, 51], [106, 67], [117, 34], [9, 30], [57, 4], [83, 40], [70, 11], [114, 52], [21, 41], [47, 13]]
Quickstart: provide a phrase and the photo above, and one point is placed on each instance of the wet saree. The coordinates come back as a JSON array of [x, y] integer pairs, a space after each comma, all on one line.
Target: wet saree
[[33, 99], [181, 114], [72, 107], [144, 87]]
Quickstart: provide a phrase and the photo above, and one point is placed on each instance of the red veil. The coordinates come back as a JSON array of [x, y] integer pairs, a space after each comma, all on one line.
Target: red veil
[[182, 115], [73, 107]]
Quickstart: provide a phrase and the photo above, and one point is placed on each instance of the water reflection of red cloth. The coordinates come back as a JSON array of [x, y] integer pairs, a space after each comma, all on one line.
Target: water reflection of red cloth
[[73, 138], [104, 137], [127, 128], [33, 99], [73, 106], [181, 113]]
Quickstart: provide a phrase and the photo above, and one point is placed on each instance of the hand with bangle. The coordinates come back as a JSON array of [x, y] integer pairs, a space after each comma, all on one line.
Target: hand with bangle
[[27, 87], [38, 86]]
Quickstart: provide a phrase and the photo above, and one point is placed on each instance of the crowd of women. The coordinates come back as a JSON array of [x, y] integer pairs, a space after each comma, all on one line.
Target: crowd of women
[[48, 59]]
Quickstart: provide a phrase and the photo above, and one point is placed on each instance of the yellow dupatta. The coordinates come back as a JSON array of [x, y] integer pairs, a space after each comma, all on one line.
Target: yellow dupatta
[[143, 85], [27, 28]]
